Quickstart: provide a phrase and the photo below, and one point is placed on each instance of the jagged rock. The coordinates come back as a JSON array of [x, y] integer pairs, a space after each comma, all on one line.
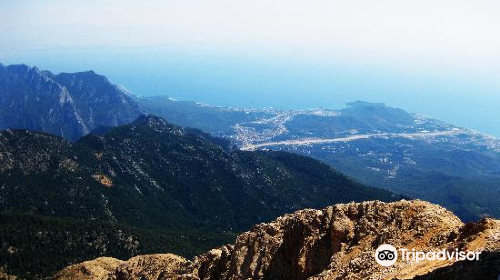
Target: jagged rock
[[100, 268], [487, 268], [151, 267], [29, 99], [99, 102], [337, 242], [68, 105], [147, 267]]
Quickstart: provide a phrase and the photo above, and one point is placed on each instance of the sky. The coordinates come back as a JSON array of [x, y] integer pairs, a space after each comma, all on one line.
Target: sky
[[440, 58]]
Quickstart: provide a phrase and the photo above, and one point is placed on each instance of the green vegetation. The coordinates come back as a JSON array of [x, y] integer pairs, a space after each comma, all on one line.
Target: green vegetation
[[460, 170], [34, 246], [216, 120], [440, 173], [178, 186]]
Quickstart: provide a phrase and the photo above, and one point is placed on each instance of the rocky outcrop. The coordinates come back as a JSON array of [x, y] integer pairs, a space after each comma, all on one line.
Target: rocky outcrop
[[337, 242], [147, 267], [99, 102], [29, 99], [68, 105], [487, 268]]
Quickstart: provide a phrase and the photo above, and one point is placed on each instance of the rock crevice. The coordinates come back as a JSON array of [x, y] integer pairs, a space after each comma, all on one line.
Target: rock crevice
[[337, 242]]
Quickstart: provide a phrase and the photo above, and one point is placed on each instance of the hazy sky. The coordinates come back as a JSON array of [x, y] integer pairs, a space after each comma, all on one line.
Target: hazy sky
[[352, 48], [385, 29]]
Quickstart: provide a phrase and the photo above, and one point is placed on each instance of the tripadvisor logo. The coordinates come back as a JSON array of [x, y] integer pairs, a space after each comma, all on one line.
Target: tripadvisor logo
[[387, 255]]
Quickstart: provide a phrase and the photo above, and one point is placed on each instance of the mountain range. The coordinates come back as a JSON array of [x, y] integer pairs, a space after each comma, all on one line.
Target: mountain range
[[68, 105], [88, 169], [372, 143], [156, 176]]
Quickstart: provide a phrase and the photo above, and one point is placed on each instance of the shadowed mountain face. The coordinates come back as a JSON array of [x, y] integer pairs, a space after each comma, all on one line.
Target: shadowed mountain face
[[373, 143], [68, 105], [154, 173], [150, 175], [32, 100], [99, 102]]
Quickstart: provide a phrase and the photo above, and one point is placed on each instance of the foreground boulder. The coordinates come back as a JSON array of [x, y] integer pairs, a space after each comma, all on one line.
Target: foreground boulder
[[338, 242]]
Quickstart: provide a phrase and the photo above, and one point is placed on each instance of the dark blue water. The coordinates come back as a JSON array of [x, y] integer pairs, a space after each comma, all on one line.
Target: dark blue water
[[280, 82]]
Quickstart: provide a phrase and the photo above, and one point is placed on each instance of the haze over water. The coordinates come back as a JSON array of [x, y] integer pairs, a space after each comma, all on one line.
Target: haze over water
[[436, 59]]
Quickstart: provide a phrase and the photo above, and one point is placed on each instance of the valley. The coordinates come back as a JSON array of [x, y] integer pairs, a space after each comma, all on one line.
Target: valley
[[313, 141], [373, 143], [146, 187], [87, 166], [249, 140]]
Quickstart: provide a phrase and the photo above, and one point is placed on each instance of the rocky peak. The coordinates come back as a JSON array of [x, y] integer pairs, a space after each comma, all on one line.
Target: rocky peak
[[337, 242], [84, 80], [89, 84], [30, 99], [21, 68], [34, 77], [147, 267], [150, 120], [68, 105], [157, 124], [100, 102]]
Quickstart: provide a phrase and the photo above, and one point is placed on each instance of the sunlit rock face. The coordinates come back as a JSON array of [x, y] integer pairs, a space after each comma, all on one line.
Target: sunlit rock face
[[337, 242]]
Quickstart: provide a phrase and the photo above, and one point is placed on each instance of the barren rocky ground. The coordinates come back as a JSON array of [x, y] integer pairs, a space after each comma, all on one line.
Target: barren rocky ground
[[337, 242]]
